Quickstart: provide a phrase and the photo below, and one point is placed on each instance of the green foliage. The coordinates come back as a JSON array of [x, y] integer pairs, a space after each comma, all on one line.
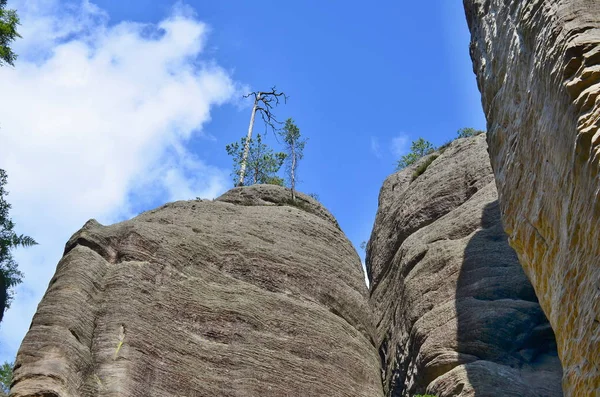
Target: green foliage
[[418, 149], [445, 146], [423, 166], [262, 163], [8, 33], [314, 195], [6, 376], [9, 240], [468, 132], [294, 147], [274, 180]]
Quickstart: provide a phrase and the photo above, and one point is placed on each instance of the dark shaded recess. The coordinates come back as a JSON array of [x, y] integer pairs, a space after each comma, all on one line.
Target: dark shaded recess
[[516, 335]]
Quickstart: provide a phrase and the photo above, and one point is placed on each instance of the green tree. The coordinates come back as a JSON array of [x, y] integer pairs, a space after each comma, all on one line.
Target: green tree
[[294, 146], [9, 240], [8, 33], [10, 275], [468, 132], [6, 376], [418, 149], [264, 101], [260, 165]]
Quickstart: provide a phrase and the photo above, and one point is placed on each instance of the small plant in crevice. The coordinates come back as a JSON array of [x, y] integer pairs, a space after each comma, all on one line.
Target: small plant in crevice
[[445, 146], [468, 132], [303, 205], [421, 168]]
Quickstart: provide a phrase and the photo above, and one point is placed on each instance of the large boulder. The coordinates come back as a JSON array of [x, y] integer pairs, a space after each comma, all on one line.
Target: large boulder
[[458, 316], [538, 70], [242, 296]]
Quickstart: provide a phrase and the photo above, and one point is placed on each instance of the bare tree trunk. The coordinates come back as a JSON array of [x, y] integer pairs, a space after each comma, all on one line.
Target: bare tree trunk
[[247, 143], [293, 173]]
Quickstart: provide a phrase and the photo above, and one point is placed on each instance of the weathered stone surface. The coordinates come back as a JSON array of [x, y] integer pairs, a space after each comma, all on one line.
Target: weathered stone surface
[[538, 69], [235, 297], [458, 316]]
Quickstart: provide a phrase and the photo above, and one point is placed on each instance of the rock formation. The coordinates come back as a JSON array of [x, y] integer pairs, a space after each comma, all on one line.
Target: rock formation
[[457, 315], [241, 296], [538, 69]]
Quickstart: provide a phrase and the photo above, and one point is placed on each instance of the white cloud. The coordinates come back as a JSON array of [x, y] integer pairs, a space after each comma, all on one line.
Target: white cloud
[[400, 145], [375, 147], [92, 113]]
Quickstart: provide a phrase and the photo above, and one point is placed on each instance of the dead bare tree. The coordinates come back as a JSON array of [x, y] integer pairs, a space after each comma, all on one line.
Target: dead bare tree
[[264, 101]]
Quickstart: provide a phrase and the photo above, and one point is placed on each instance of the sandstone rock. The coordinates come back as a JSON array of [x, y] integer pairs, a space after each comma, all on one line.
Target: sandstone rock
[[458, 316], [538, 70], [241, 296]]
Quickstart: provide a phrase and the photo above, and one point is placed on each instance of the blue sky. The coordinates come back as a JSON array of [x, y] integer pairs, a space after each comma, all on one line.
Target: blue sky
[[119, 106], [358, 76]]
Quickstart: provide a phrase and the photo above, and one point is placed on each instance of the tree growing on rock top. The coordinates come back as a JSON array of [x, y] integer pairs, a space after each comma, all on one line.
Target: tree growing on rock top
[[264, 101], [468, 132], [418, 149], [260, 163], [294, 147]]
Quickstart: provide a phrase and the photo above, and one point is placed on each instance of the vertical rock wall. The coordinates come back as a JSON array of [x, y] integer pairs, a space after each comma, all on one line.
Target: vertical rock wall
[[458, 316], [538, 69]]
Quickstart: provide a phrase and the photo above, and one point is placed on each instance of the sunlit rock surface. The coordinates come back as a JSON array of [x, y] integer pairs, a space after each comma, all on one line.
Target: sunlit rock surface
[[538, 69], [241, 296]]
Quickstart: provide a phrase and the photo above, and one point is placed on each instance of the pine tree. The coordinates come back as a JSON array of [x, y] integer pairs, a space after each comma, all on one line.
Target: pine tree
[[6, 370], [9, 240], [8, 33], [294, 147], [263, 104], [418, 149], [260, 165]]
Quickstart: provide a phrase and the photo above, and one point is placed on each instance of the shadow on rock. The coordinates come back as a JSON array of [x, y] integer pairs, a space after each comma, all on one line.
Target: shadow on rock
[[503, 337]]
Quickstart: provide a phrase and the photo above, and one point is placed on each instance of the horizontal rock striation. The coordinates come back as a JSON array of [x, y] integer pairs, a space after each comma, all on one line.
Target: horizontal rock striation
[[241, 296], [458, 316], [538, 69]]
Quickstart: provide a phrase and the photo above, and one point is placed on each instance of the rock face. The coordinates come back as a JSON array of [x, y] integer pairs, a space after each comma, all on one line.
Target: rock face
[[240, 296], [458, 316], [538, 69]]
